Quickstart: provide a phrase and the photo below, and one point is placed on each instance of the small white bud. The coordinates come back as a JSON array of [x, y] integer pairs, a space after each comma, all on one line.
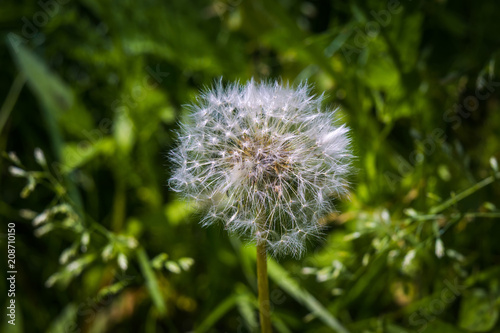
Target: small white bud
[[366, 259], [122, 262], [455, 255], [85, 238], [350, 237], [439, 248], [44, 229], [132, 242], [66, 255], [74, 266], [27, 214], [40, 157], [308, 270], [13, 157], [107, 252], [173, 267], [408, 259], [85, 241], [323, 274], [52, 280], [410, 212], [17, 172], [186, 263], [494, 164]]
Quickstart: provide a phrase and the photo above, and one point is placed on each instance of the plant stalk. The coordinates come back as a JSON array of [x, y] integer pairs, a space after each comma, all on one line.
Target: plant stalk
[[263, 286]]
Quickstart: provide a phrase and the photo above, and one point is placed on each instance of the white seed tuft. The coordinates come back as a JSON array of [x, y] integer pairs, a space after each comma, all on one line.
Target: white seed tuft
[[266, 159]]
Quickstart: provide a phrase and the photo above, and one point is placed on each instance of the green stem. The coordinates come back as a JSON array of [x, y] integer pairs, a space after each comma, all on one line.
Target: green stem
[[263, 287], [450, 202], [492, 215], [151, 283]]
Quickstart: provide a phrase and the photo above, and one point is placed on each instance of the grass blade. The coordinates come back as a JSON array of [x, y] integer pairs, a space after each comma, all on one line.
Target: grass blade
[[151, 282], [281, 278]]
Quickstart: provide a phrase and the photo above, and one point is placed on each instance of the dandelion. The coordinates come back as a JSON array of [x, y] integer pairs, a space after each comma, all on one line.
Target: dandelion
[[265, 160]]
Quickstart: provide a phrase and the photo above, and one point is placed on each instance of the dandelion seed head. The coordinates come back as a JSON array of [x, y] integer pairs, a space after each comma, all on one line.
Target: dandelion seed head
[[267, 161]]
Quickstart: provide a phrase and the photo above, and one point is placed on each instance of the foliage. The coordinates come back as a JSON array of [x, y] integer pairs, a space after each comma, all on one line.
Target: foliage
[[93, 90]]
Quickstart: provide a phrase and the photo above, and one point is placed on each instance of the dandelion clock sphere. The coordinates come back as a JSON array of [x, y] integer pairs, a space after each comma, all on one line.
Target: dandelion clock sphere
[[266, 161]]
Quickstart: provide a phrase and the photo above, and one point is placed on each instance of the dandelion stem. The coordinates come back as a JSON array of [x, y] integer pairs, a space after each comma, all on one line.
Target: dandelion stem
[[263, 286]]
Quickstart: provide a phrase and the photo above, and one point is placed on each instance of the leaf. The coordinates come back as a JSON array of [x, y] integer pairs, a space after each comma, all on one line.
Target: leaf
[[217, 313], [340, 39], [56, 97], [392, 328], [177, 211], [247, 303], [124, 132], [66, 321], [113, 289], [280, 325], [75, 155], [281, 278], [478, 312], [438, 326], [52, 92], [151, 282]]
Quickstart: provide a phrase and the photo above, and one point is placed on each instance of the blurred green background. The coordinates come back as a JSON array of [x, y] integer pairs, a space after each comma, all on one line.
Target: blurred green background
[[102, 245]]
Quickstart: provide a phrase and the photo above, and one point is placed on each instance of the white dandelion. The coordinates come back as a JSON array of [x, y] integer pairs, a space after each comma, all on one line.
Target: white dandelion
[[265, 159]]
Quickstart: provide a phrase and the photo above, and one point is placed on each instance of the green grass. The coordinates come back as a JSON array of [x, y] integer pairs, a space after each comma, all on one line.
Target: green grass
[[100, 90]]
